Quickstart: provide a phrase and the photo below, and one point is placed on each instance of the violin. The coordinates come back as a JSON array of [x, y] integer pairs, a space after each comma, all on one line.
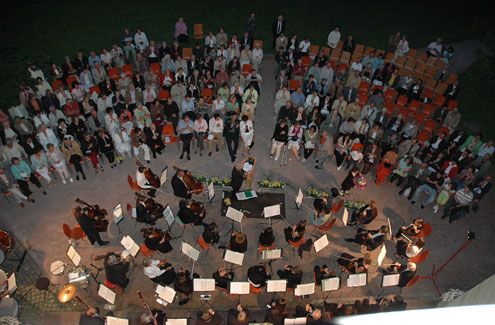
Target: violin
[[197, 208], [154, 208], [97, 214], [192, 184], [153, 179]]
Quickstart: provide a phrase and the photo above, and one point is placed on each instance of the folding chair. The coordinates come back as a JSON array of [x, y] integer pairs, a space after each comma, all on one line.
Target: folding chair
[[127, 69], [324, 227], [359, 49], [390, 95], [203, 244], [402, 101], [362, 100], [421, 257], [113, 73], [336, 52], [143, 249], [198, 31], [246, 69], [430, 125], [313, 50], [345, 57], [155, 68], [293, 84], [427, 229], [186, 53], [255, 290], [364, 87]]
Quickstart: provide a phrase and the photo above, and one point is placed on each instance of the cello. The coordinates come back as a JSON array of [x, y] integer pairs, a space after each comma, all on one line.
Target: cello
[[192, 184], [97, 214], [153, 179]]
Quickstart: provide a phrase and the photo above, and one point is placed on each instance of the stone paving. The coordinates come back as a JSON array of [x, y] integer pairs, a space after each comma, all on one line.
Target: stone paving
[[39, 228]]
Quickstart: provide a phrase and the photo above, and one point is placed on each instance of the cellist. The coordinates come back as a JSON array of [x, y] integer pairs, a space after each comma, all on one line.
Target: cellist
[[143, 182], [184, 184]]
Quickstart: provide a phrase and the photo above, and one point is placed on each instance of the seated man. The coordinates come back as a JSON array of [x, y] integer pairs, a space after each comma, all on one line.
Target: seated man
[[407, 272], [364, 215], [191, 211], [223, 278], [159, 272], [238, 242], [458, 204], [322, 273], [179, 186], [267, 239], [156, 239], [293, 275], [210, 234], [143, 214], [370, 238], [257, 275]]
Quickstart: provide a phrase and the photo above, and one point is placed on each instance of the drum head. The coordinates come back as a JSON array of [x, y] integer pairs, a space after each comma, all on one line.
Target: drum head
[[7, 241], [57, 267]]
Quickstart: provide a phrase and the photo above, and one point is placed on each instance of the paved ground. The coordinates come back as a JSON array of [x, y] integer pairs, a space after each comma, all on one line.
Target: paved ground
[[39, 227]]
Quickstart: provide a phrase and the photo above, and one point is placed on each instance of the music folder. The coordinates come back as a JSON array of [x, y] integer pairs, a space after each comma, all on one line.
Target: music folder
[[165, 293], [239, 288], [176, 321], [345, 216], [233, 257], [116, 321], [357, 280], [130, 245], [163, 176], [381, 255], [390, 280], [204, 284], [330, 284], [74, 255], [295, 321], [168, 215], [190, 251], [106, 294], [271, 211], [305, 289], [299, 198], [276, 285]]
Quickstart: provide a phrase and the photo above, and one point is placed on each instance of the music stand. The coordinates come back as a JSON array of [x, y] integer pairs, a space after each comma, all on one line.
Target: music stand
[[234, 215], [190, 252], [357, 280], [169, 217], [233, 258], [116, 321], [276, 286], [239, 288], [73, 255], [166, 294], [202, 285], [163, 176], [305, 289], [321, 243], [118, 216], [106, 294], [271, 211], [390, 280], [295, 321], [381, 255], [328, 285], [130, 246]]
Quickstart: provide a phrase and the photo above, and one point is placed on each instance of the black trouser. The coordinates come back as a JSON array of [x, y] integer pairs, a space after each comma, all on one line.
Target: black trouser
[[397, 176], [186, 143], [308, 152], [94, 237], [156, 146], [76, 161], [110, 156], [411, 182], [339, 158], [232, 145], [24, 185]]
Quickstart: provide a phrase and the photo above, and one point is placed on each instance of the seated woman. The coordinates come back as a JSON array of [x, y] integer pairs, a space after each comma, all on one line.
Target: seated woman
[[257, 275], [349, 263], [183, 284], [223, 278], [296, 232], [365, 215], [322, 273], [266, 238], [407, 272], [413, 229], [191, 211], [210, 234], [292, 274], [369, 238], [143, 212], [160, 272], [238, 242], [156, 239], [319, 218], [409, 249]]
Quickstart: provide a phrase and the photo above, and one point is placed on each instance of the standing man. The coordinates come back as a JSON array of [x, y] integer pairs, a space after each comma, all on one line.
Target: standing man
[[216, 133], [278, 27], [238, 176], [87, 226], [250, 24], [231, 132], [334, 37]]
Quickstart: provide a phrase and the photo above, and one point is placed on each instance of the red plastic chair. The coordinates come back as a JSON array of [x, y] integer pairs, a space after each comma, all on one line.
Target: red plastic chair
[[155, 68], [414, 105], [255, 290], [423, 136], [430, 125], [306, 61], [127, 69], [56, 84], [428, 109], [451, 104], [113, 73], [203, 244], [362, 100], [389, 95], [163, 94], [265, 248], [337, 207], [296, 244], [364, 87], [327, 225], [70, 79], [443, 129], [439, 101], [94, 89], [246, 69], [133, 184], [427, 229], [390, 106], [145, 250], [293, 84], [402, 101], [421, 257]]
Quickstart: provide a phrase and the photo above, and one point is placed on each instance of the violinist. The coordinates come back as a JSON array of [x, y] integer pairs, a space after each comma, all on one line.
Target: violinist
[[184, 285], [210, 234], [407, 272], [179, 185], [156, 239], [322, 273], [223, 278], [143, 182], [146, 210], [267, 238], [349, 263], [238, 242], [191, 211], [257, 275], [370, 238], [87, 225], [159, 272], [296, 232], [292, 274], [116, 269], [364, 215], [413, 229]]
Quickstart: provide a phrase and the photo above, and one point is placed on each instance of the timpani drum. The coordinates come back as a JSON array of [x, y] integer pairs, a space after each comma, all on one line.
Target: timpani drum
[[7, 242], [57, 268]]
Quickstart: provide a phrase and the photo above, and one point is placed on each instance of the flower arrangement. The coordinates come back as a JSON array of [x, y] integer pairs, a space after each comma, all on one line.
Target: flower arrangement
[[314, 193], [451, 295], [354, 205], [269, 183], [217, 181]]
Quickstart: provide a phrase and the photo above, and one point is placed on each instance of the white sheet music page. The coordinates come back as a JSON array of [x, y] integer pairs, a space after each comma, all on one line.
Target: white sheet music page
[[381, 255], [299, 197], [168, 215], [176, 321], [276, 285], [390, 280], [271, 211], [345, 216], [304, 289], [204, 284], [321, 243], [116, 321], [239, 288], [233, 257], [130, 245], [118, 213], [271, 254], [330, 284], [74, 255], [357, 280], [165, 293], [234, 214], [190, 251], [106, 294]]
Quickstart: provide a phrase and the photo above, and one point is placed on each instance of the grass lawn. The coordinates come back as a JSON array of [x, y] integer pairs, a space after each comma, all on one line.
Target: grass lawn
[[40, 31]]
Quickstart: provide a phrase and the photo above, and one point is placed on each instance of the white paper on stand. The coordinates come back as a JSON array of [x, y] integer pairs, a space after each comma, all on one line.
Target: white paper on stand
[[118, 213], [163, 176], [106, 294], [381, 255], [234, 214], [276, 286], [357, 280], [295, 321], [304, 289], [390, 280], [330, 284], [168, 215], [345, 216], [271, 254], [321, 243], [299, 198], [233, 257], [165, 293], [11, 283], [211, 191], [74, 255], [271, 211], [239, 288], [176, 321], [204, 284], [130, 245], [190, 251], [116, 321]]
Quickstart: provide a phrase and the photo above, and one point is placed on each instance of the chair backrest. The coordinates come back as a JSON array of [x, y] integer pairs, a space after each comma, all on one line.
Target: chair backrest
[[143, 249], [202, 243], [155, 68], [306, 61], [128, 207], [413, 281], [67, 230], [130, 181], [427, 229], [77, 233], [187, 53], [313, 50], [421, 257], [359, 49], [328, 225], [113, 73]]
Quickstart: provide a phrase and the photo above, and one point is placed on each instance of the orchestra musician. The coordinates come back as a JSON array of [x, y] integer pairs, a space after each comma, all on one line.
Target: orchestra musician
[[296, 232], [88, 226], [147, 210], [154, 317], [91, 316], [116, 269], [322, 273], [158, 271], [223, 278], [191, 211], [406, 271], [210, 234], [349, 263], [237, 178], [410, 249], [413, 229], [267, 238], [370, 238], [184, 184], [143, 182], [365, 215], [292, 274], [156, 239], [238, 242], [183, 285], [257, 275]]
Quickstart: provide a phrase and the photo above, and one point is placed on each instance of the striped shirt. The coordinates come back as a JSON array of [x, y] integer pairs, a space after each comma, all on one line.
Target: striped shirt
[[462, 197]]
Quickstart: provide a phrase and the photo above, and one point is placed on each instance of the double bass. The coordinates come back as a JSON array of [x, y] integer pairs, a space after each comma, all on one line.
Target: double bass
[[192, 184], [97, 214], [151, 177]]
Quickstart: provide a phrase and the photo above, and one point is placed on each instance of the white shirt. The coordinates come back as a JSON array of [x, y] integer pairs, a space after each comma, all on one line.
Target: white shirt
[[216, 126], [333, 39], [106, 58], [153, 270], [218, 105], [357, 66], [304, 46], [257, 54], [248, 124], [200, 126], [211, 41], [141, 181], [141, 38]]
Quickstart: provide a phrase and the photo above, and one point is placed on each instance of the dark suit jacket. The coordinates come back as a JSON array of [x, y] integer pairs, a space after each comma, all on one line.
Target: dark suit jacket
[[274, 27], [485, 189], [179, 187]]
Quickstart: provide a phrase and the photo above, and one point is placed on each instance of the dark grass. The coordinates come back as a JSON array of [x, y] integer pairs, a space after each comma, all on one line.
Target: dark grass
[[42, 31]]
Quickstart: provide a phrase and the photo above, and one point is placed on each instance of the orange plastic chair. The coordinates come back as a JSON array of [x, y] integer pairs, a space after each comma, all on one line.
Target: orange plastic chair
[[389, 95], [155, 68], [402, 101], [345, 57], [254, 290], [440, 88], [202, 243], [313, 50], [427, 229], [246, 69], [327, 225], [75, 233], [293, 84], [336, 52], [428, 109], [414, 105], [145, 250], [364, 86], [168, 133], [421, 257], [113, 73], [296, 244], [340, 45], [427, 93], [430, 125], [127, 69], [359, 49], [422, 57], [163, 94], [265, 248], [400, 61], [337, 207], [133, 184], [306, 61], [326, 51], [187, 53], [198, 31], [389, 57], [70, 79], [443, 129], [362, 100], [390, 106], [439, 101], [451, 104], [423, 136]]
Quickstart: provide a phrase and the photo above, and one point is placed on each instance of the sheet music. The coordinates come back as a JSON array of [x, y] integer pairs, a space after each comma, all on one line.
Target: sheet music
[[299, 198], [163, 176], [295, 321], [190, 251], [106, 294], [330, 284], [211, 191], [345, 216], [161, 302], [271, 211], [390, 227], [130, 245], [233, 257], [276, 286], [116, 321], [118, 213], [234, 214], [304, 289], [11, 283], [177, 321], [204, 284], [271, 254], [239, 288], [165, 293], [381, 255], [390, 280], [321, 243], [74, 255], [357, 280], [168, 215]]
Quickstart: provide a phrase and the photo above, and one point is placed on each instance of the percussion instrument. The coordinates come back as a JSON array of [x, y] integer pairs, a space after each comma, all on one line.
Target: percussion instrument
[[79, 276], [67, 293], [7, 242], [57, 267]]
